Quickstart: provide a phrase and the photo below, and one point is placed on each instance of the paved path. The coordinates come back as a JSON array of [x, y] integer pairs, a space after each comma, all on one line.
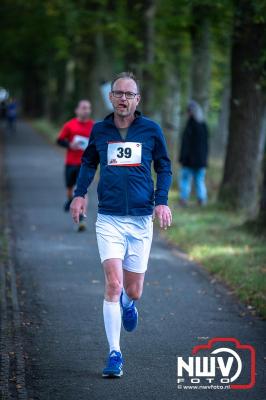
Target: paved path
[[62, 345]]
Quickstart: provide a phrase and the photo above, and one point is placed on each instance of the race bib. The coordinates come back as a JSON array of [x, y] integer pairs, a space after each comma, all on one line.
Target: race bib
[[81, 141], [124, 154]]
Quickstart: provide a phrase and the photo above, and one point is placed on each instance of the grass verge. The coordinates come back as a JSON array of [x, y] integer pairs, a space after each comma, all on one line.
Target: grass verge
[[217, 239], [46, 128]]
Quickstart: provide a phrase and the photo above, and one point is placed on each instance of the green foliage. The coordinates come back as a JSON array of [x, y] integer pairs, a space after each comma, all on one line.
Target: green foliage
[[43, 36]]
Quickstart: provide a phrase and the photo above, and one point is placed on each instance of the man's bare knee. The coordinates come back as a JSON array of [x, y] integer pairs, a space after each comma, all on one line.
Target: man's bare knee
[[113, 279], [114, 287], [134, 292]]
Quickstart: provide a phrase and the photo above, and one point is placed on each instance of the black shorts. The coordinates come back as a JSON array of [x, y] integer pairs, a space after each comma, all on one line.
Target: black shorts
[[71, 175]]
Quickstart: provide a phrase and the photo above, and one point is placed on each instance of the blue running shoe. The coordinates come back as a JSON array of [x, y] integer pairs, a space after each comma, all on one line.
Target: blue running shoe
[[114, 365], [129, 316]]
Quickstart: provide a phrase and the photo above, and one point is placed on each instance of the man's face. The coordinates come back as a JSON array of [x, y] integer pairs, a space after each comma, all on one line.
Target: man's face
[[122, 105], [83, 110]]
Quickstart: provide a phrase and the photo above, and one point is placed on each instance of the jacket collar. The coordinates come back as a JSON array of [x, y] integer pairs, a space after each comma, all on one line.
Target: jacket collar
[[110, 117]]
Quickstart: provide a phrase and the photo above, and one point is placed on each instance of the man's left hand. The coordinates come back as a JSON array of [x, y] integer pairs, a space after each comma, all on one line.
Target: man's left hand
[[164, 215]]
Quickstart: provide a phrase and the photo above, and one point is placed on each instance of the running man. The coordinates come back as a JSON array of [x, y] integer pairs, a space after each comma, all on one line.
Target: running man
[[11, 114], [74, 137], [124, 144]]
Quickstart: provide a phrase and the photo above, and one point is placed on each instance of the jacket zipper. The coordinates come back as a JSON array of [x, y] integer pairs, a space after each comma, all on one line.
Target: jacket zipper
[[125, 172], [126, 175], [126, 193]]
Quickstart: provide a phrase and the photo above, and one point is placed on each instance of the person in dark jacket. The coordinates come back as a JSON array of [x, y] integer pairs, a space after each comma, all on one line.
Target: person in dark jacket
[[194, 155], [125, 144]]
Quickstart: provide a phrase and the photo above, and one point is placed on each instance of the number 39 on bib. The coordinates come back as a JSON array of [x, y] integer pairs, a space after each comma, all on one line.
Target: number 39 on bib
[[124, 154]]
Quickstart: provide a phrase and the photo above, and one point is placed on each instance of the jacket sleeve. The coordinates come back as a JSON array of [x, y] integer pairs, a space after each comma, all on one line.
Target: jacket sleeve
[[185, 146], [63, 138], [162, 167], [63, 142], [89, 164], [64, 133], [206, 143]]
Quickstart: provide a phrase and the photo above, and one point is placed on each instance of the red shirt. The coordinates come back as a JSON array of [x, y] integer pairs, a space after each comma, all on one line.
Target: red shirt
[[71, 129]]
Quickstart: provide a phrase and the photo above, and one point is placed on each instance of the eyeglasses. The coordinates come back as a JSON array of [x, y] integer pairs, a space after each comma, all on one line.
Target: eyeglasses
[[119, 94]]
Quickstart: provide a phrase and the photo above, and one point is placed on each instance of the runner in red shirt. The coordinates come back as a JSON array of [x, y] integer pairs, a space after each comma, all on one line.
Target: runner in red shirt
[[74, 137]]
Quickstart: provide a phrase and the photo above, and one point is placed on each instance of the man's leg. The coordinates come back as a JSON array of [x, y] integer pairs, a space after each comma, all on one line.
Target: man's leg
[[69, 192], [112, 316], [82, 223], [185, 184], [69, 196], [139, 239], [132, 290], [69, 186], [111, 307], [133, 287], [201, 190]]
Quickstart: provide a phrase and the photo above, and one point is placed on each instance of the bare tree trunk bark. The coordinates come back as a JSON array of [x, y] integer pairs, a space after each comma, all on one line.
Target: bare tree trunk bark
[[247, 111], [224, 116], [33, 92], [219, 141], [92, 71], [56, 97], [66, 89], [261, 219], [101, 72], [201, 56], [170, 112], [149, 36]]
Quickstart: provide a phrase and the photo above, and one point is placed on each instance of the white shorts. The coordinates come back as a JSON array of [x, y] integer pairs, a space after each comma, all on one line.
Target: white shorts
[[126, 237]]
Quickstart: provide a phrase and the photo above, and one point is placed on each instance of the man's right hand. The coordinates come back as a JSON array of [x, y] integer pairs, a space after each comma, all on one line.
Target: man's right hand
[[78, 207]]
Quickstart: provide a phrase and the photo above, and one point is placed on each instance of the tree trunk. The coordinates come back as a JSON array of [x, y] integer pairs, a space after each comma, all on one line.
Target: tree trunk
[[101, 72], [66, 89], [32, 92], [247, 110], [224, 116], [261, 219], [55, 99], [170, 110], [201, 56], [149, 36], [219, 140], [91, 71]]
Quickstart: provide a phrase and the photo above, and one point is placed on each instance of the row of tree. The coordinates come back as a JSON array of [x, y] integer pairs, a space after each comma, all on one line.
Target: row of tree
[[55, 52], [247, 121]]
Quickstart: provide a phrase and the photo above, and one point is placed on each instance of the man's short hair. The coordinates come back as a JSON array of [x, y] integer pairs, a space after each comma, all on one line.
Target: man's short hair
[[126, 75], [80, 101]]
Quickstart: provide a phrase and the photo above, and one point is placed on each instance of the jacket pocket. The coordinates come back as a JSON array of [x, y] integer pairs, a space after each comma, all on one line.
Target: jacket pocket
[[111, 190], [141, 191]]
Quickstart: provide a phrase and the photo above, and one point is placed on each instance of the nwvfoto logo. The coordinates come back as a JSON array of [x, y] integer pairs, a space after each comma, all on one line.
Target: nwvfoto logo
[[225, 361]]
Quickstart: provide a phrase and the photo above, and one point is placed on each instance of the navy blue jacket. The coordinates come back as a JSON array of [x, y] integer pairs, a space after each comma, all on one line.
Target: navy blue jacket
[[194, 145], [124, 190]]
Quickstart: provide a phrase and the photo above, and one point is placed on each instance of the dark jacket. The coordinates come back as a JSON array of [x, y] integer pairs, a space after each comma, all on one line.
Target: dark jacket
[[127, 190], [194, 145]]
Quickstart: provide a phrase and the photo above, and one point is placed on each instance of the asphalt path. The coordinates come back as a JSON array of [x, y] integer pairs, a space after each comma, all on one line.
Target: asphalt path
[[59, 284]]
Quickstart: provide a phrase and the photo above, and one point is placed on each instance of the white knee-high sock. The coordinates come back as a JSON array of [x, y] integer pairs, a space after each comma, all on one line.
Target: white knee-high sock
[[127, 301], [112, 323]]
